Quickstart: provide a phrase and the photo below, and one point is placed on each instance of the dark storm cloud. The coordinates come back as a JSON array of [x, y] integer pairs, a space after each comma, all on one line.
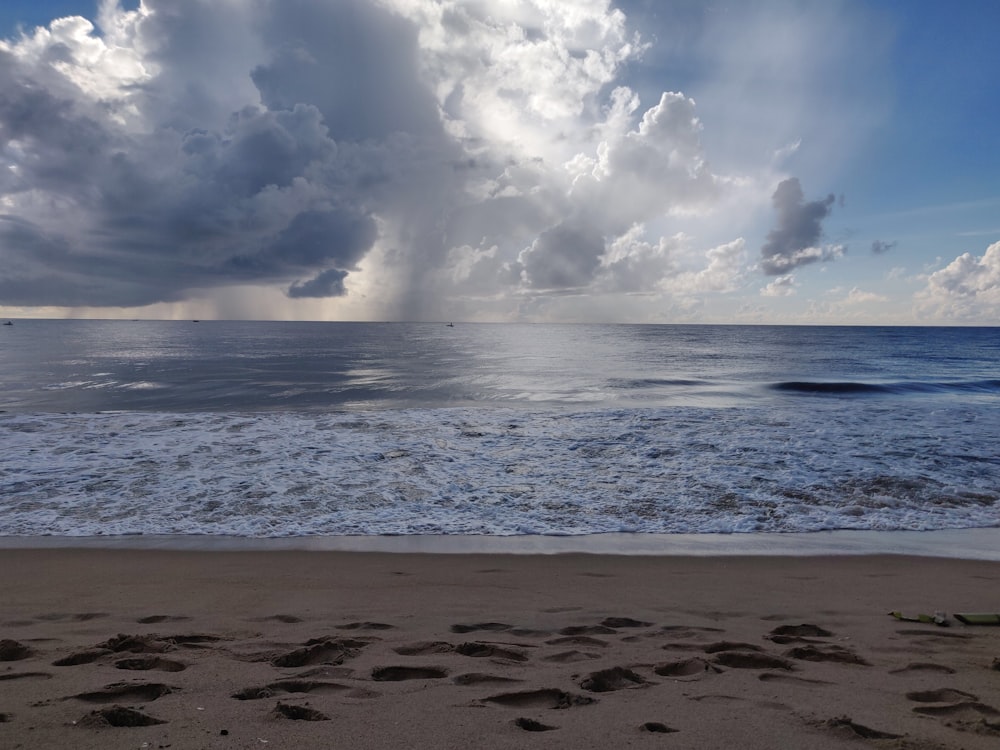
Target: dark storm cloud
[[879, 247], [204, 191], [260, 148], [358, 52], [563, 257], [44, 269], [795, 240], [326, 284], [64, 144], [320, 238]]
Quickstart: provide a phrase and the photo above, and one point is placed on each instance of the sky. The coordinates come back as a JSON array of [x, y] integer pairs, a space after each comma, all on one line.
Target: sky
[[643, 161]]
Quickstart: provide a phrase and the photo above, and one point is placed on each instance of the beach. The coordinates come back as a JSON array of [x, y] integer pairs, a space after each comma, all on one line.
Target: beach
[[130, 648]]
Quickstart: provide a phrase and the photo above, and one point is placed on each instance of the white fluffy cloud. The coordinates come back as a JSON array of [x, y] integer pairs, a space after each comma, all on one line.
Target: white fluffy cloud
[[966, 290], [783, 286]]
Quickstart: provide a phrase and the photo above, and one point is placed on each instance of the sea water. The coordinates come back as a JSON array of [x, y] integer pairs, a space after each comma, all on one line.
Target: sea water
[[270, 429]]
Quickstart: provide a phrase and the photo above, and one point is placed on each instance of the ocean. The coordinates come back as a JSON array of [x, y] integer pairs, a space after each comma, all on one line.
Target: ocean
[[290, 430]]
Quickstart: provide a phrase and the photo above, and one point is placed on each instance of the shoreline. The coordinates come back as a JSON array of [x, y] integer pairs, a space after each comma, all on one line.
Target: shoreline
[[962, 544], [102, 649]]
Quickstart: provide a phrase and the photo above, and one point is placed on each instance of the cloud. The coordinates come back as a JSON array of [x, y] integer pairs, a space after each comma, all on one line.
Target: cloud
[[723, 272], [967, 289], [783, 286], [859, 297], [563, 257], [190, 145], [673, 265], [794, 241], [329, 283], [879, 247], [410, 155]]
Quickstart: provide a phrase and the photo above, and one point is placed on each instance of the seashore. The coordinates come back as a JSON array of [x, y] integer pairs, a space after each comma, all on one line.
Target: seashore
[[160, 647]]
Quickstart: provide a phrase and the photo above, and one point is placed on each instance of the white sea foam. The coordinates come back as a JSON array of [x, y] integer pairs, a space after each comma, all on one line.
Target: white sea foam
[[501, 471]]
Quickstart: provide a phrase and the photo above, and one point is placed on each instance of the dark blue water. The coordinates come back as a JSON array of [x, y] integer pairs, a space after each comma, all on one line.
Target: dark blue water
[[263, 366]]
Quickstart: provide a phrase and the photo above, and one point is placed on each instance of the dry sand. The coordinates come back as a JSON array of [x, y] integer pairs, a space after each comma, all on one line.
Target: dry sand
[[374, 650]]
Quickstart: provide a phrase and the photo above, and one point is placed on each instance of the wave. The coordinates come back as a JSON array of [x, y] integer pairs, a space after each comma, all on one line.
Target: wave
[[502, 471], [637, 383], [847, 388]]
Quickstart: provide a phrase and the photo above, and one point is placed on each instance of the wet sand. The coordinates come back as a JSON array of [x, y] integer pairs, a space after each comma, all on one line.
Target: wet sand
[[129, 648]]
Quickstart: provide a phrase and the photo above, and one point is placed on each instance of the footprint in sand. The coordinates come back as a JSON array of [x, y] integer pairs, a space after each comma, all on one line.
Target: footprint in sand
[[751, 660], [422, 648], [826, 652], [804, 633], [934, 635], [609, 680], [144, 663], [844, 725], [118, 716], [461, 628], [577, 640], [530, 633], [325, 671], [366, 626], [156, 644], [252, 694], [714, 648], [942, 695], [297, 713], [588, 630], [657, 727], [82, 657], [142, 693], [287, 619], [320, 651], [965, 709], [683, 646], [779, 677], [688, 631], [478, 678], [551, 698], [136, 644], [962, 711], [624, 622], [717, 699], [923, 666], [398, 674], [530, 725], [295, 686], [805, 630], [694, 667], [308, 686], [13, 650], [193, 640], [24, 676], [482, 650], [568, 657], [80, 617]]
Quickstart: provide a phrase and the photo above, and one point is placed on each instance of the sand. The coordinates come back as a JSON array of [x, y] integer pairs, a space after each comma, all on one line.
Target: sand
[[187, 649]]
